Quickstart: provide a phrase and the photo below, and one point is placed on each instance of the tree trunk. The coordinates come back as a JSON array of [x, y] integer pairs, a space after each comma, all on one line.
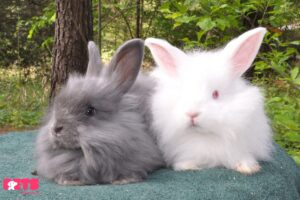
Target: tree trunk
[[73, 29], [142, 18], [99, 26], [138, 19]]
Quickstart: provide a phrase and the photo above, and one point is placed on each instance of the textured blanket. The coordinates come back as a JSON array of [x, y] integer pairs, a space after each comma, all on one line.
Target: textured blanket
[[279, 179]]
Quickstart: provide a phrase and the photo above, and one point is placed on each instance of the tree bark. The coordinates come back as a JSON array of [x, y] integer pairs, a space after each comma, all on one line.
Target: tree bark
[[142, 18], [73, 29], [99, 26], [138, 19]]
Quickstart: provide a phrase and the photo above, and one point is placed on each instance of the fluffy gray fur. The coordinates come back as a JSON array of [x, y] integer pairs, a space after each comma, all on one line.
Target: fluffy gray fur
[[113, 145]]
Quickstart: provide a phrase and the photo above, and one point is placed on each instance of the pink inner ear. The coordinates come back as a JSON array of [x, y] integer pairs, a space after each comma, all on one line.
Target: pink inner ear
[[163, 58], [245, 54]]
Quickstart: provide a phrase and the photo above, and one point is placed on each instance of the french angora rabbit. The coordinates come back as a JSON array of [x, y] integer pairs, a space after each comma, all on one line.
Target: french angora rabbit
[[96, 130], [204, 113]]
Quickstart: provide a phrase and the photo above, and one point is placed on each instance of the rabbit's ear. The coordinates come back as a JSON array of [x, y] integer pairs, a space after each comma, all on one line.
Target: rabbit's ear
[[241, 52], [94, 64], [125, 64], [165, 55]]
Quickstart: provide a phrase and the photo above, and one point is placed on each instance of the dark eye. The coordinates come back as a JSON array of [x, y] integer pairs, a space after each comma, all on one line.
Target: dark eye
[[215, 94], [90, 111]]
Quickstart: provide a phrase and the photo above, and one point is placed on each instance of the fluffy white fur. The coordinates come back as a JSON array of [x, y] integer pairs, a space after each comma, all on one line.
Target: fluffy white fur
[[230, 131]]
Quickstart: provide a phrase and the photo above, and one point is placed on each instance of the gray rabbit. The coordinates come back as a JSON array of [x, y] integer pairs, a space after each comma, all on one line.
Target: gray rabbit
[[96, 130]]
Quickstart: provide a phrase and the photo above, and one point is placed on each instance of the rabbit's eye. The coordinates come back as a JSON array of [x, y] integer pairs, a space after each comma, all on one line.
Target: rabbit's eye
[[215, 94], [90, 111]]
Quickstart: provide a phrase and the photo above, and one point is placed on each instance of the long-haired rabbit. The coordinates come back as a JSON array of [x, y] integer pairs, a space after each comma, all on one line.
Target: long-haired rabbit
[[204, 113], [96, 131]]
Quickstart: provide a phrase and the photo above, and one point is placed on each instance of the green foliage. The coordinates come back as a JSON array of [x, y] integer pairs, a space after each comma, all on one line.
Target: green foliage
[[279, 56], [39, 22], [283, 107], [44, 21], [211, 23], [15, 48], [208, 23]]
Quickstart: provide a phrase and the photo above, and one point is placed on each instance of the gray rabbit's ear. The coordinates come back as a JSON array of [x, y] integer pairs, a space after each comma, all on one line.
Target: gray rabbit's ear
[[95, 64], [125, 64]]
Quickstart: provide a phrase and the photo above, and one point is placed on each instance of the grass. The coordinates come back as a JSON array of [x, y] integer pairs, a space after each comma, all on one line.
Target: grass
[[24, 98], [283, 107]]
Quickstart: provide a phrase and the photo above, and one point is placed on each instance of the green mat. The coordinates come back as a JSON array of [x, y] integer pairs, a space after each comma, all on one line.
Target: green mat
[[277, 180]]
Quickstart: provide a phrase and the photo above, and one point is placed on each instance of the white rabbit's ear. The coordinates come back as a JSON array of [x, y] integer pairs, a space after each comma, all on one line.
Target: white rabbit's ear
[[94, 64], [242, 51], [164, 54]]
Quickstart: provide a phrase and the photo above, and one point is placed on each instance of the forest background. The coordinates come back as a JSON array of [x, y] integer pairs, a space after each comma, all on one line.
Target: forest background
[[27, 39]]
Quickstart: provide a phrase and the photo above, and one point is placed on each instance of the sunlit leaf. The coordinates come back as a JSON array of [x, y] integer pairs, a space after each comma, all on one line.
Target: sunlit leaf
[[294, 72], [206, 23]]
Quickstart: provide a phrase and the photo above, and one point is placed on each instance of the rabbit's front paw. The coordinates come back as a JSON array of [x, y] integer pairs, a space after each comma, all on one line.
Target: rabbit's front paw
[[246, 168], [63, 181], [126, 181], [185, 166]]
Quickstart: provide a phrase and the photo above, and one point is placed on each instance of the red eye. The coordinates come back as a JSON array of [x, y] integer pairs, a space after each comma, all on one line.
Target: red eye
[[215, 94]]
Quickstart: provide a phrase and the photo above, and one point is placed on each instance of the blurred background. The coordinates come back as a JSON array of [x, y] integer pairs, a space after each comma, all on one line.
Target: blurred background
[[27, 29]]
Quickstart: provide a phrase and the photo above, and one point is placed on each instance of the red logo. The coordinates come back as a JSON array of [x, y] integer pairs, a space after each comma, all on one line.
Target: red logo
[[23, 184]]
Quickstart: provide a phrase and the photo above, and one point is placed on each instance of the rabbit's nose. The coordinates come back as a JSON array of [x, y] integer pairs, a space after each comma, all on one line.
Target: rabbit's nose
[[192, 115], [57, 129]]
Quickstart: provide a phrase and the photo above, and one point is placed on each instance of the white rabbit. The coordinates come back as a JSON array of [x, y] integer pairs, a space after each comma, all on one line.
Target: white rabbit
[[204, 113]]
